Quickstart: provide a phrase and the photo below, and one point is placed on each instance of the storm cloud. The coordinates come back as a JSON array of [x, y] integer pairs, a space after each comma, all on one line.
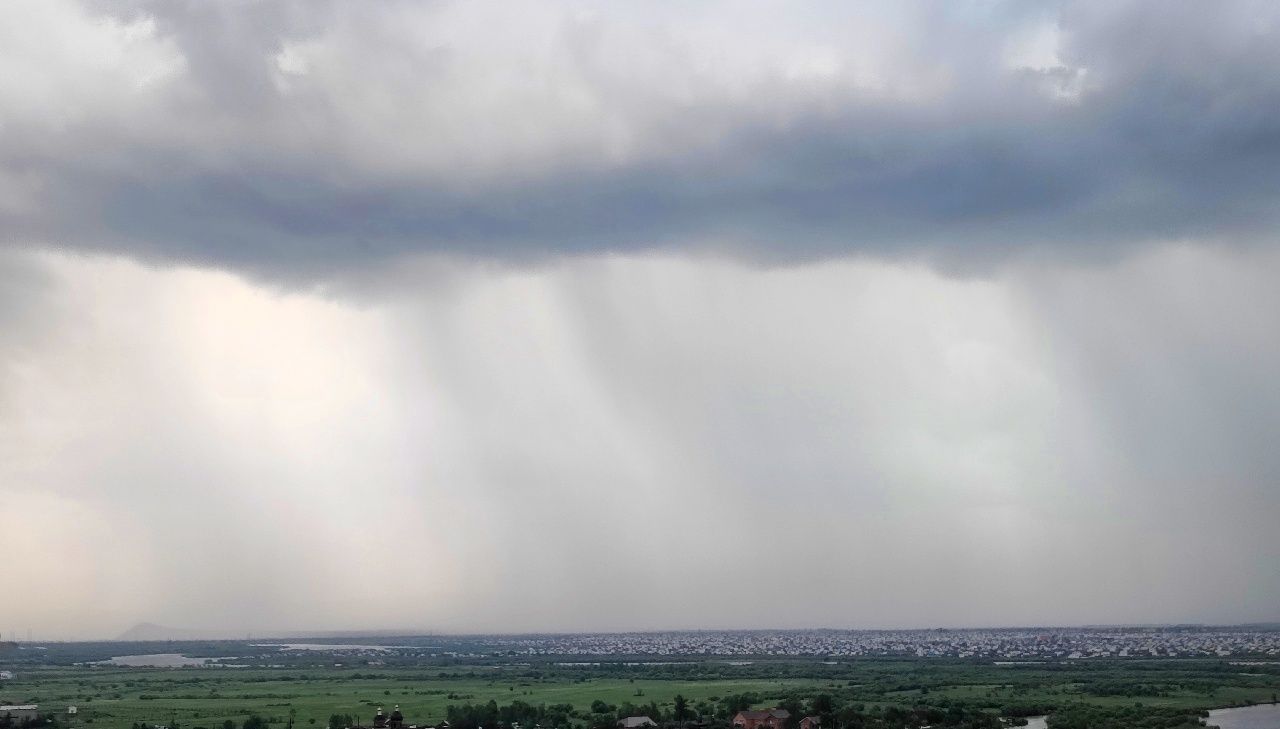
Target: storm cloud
[[302, 139]]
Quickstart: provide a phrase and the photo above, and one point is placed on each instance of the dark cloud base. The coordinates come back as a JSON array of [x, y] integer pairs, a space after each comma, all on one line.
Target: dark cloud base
[[1159, 147]]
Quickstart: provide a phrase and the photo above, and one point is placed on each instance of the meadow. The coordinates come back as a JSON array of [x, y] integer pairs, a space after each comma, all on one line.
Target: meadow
[[307, 688], [119, 697]]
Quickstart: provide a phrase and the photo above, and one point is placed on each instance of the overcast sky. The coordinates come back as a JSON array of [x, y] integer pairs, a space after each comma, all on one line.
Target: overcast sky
[[579, 316]]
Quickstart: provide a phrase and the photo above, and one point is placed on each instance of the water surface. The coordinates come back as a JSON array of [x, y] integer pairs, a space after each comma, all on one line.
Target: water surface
[[157, 660], [1262, 716], [330, 647]]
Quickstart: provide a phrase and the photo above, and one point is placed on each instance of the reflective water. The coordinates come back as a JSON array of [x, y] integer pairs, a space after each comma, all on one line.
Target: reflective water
[[1262, 716], [329, 647], [157, 660]]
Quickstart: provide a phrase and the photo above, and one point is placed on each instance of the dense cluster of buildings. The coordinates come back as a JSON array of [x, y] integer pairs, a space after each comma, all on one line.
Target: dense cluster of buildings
[[1001, 644]]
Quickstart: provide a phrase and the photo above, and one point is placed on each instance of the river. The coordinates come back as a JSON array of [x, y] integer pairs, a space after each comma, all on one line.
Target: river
[[1262, 716]]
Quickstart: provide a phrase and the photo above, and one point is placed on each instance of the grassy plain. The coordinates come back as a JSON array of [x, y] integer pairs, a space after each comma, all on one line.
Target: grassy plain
[[109, 697], [118, 697]]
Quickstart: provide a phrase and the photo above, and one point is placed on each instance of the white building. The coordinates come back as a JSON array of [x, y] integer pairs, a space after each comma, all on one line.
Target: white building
[[20, 712]]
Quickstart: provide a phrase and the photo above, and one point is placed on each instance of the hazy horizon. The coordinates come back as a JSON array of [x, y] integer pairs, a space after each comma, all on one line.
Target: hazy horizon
[[182, 634], [567, 316]]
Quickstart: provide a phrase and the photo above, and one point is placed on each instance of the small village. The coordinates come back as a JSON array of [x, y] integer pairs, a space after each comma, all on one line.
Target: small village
[[997, 644]]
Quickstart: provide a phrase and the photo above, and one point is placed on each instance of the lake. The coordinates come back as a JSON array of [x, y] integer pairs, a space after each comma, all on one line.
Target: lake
[[157, 660], [330, 647], [1262, 716]]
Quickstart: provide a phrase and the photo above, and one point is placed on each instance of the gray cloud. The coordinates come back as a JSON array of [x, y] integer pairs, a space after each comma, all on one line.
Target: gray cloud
[[300, 140]]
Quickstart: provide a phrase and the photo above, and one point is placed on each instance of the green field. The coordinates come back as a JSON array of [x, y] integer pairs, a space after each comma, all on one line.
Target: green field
[[113, 697], [110, 697]]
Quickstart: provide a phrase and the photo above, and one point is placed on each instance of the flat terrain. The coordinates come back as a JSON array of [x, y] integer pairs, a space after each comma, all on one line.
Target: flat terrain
[[114, 697], [310, 685]]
